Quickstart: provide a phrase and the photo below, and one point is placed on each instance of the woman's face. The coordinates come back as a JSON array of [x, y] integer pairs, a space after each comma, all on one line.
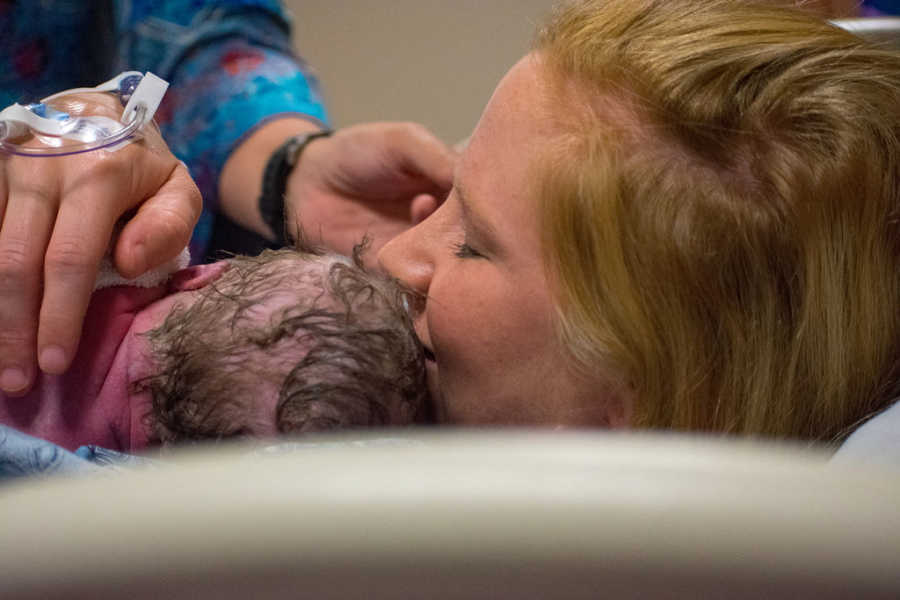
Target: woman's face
[[489, 313]]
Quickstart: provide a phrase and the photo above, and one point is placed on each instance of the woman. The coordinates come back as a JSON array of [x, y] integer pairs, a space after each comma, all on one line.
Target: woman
[[675, 214]]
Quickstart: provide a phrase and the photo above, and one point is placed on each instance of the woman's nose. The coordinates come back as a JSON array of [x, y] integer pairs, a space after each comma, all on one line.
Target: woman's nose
[[407, 259]]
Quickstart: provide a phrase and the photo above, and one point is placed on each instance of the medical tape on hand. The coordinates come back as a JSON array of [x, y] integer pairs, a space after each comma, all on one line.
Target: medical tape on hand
[[94, 132]]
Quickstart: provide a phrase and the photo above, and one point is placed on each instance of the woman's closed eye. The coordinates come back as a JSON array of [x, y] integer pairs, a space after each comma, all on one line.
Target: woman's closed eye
[[464, 250]]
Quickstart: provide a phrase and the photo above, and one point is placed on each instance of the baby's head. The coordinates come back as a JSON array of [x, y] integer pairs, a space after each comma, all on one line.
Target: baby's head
[[286, 342]]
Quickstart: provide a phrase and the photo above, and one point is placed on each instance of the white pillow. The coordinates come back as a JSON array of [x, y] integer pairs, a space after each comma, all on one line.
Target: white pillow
[[877, 441]]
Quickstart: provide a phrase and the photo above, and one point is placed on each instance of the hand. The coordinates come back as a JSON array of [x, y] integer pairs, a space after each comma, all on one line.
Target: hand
[[57, 215], [374, 180]]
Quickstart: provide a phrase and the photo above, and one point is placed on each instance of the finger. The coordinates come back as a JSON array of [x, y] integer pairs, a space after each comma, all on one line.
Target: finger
[[162, 226], [425, 158], [421, 208], [27, 221], [79, 241]]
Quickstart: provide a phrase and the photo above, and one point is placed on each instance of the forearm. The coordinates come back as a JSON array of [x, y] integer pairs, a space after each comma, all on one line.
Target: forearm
[[240, 183], [230, 72]]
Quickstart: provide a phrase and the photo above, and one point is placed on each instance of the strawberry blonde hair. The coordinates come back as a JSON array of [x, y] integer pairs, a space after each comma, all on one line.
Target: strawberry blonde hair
[[720, 212]]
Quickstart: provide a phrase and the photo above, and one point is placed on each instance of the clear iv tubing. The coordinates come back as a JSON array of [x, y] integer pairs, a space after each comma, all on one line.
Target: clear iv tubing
[[126, 132]]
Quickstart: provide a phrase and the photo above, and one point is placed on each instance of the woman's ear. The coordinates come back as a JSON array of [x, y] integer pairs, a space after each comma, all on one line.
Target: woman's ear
[[609, 406], [196, 277], [621, 409], [620, 405]]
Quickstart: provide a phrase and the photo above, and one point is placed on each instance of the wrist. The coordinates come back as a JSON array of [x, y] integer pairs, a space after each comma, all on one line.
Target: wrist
[[240, 180], [274, 182]]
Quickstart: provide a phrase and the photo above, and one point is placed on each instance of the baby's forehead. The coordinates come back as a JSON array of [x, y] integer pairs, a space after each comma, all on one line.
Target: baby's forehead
[[296, 270], [300, 276], [305, 281]]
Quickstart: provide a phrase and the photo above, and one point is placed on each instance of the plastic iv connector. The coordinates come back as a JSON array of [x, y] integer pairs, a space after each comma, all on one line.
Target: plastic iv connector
[[50, 132]]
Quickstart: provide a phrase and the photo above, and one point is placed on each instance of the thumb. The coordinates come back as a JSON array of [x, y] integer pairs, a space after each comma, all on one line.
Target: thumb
[[162, 226]]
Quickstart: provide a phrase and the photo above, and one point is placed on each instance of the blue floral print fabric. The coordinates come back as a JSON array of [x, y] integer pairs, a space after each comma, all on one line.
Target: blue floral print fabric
[[229, 62]]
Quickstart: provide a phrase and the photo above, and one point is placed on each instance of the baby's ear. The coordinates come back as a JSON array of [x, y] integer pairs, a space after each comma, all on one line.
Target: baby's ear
[[196, 277]]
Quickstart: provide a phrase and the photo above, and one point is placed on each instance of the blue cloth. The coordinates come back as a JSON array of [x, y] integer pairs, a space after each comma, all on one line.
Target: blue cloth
[[22, 455], [104, 457], [229, 62]]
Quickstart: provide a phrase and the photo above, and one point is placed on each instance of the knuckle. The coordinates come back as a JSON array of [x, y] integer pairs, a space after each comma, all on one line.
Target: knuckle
[[110, 167], [195, 201], [412, 129], [68, 256], [13, 339], [173, 225], [108, 164], [397, 136], [409, 135], [14, 263], [35, 186], [17, 336]]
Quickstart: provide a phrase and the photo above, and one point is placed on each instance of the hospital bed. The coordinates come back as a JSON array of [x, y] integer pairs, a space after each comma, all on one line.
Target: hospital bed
[[462, 515], [492, 514], [884, 30]]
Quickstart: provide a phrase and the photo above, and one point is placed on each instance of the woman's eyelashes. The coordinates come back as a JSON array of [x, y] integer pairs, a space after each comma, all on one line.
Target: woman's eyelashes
[[464, 250]]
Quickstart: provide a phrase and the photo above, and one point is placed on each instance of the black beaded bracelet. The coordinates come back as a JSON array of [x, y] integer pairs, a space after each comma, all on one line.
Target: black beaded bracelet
[[274, 183]]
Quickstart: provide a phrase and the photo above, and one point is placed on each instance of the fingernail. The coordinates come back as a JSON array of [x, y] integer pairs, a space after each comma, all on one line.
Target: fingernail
[[53, 360], [13, 380]]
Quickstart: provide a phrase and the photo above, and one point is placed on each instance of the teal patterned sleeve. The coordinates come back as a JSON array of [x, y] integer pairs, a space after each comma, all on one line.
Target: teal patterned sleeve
[[231, 68]]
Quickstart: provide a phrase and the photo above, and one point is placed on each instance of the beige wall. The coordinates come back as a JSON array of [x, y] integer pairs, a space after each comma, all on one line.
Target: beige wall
[[432, 61]]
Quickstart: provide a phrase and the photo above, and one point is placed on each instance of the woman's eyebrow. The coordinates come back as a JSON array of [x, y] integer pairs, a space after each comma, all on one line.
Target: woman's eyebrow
[[483, 229]]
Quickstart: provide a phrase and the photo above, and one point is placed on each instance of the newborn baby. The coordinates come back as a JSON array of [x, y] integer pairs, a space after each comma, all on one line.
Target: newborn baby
[[287, 342]]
